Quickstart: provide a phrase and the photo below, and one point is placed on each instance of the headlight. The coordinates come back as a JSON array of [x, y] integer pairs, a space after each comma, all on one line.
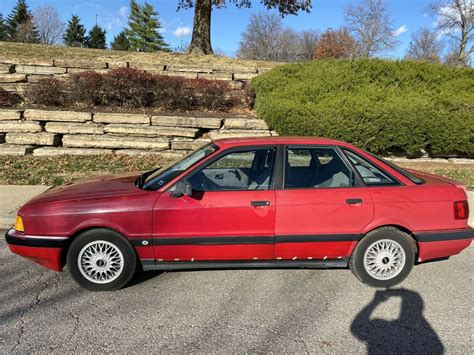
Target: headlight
[[19, 224]]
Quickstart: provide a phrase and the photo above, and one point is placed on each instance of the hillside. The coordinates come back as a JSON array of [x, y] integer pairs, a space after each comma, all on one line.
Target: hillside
[[19, 52]]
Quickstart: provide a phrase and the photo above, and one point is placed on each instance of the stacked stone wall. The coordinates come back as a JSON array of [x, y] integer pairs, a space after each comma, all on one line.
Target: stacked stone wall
[[43, 132]]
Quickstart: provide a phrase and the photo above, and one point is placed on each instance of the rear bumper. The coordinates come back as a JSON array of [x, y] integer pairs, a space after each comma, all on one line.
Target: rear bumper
[[44, 250], [442, 244]]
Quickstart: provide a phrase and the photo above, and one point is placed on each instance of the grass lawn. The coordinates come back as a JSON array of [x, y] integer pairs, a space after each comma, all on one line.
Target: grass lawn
[[31, 52], [30, 170], [460, 172]]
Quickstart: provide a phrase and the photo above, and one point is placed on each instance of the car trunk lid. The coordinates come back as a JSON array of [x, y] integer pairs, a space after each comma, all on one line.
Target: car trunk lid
[[432, 179]]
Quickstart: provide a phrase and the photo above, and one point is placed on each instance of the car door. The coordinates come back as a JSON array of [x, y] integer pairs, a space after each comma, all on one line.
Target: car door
[[230, 214], [323, 206]]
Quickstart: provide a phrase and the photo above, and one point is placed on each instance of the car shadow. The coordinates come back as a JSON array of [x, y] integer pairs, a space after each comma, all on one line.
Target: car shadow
[[410, 333], [141, 277]]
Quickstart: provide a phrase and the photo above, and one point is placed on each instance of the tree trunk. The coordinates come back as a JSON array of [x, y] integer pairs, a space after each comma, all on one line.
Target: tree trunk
[[201, 41], [463, 55]]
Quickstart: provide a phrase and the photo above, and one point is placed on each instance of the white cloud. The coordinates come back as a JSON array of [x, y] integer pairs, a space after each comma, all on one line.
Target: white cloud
[[400, 30], [105, 18], [123, 11], [182, 31]]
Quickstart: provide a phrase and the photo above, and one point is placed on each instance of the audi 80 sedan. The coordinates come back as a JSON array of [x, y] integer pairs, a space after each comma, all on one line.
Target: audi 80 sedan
[[273, 202]]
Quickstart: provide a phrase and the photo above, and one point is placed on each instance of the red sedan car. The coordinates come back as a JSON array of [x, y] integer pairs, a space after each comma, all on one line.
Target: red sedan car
[[252, 202]]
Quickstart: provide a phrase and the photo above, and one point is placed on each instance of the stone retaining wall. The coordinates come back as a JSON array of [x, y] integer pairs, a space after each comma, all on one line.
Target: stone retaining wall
[[41, 132], [16, 77]]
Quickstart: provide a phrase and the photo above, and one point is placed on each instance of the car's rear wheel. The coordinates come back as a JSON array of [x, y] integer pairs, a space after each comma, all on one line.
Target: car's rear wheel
[[101, 260], [383, 258]]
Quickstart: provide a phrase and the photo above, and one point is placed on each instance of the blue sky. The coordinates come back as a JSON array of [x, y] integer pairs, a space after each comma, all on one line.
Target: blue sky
[[228, 23]]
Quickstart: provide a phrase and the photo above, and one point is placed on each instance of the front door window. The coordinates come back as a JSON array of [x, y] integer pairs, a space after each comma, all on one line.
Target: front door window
[[237, 171]]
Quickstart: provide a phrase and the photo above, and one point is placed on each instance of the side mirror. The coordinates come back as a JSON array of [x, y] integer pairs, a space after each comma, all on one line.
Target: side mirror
[[183, 188]]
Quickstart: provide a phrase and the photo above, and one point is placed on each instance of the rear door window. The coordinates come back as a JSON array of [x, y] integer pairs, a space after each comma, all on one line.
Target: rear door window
[[315, 168]]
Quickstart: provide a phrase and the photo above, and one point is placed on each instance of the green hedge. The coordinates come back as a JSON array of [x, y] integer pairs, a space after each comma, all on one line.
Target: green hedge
[[397, 107]]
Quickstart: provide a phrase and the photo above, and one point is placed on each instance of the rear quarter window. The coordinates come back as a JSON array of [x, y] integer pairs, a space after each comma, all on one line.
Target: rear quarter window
[[405, 173], [370, 174]]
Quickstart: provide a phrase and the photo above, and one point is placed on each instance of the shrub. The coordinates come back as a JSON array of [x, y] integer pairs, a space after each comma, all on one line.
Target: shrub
[[132, 88], [397, 107], [193, 94], [170, 93], [128, 87], [8, 99], [48, 92], [216, 95], [86, 88]]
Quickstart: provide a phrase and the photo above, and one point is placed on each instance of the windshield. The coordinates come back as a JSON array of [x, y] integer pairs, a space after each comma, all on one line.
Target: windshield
[[405, 173], [154, 179]]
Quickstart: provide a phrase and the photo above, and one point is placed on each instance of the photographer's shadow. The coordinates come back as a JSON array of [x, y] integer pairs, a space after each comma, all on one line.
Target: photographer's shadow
[[410, 333]]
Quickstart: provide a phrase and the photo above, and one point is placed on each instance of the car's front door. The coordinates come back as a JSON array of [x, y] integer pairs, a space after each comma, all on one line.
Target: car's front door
[[321, 210], [230, 215]]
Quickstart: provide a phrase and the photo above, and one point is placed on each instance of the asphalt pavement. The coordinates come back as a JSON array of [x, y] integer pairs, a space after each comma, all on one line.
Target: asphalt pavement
[[238, 311]]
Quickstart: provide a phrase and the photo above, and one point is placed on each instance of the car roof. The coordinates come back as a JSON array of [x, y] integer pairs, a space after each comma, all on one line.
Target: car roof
[[244, 141]]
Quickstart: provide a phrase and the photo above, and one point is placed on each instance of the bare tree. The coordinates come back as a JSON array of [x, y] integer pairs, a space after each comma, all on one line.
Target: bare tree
[[262, 38], [265, 38], [288, 49], [455, 19], [370, 24], [26, 32], [451, 56], [48, 24], [425, 45], [307, 43]]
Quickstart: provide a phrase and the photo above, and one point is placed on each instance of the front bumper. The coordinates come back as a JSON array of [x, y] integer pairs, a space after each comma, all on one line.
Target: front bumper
[[44, 250]]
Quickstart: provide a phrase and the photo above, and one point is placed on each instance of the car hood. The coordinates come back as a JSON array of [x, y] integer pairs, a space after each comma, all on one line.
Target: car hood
[[100, 187]]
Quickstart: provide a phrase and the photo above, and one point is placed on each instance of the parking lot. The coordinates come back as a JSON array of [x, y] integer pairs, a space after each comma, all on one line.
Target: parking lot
[[237, 311]]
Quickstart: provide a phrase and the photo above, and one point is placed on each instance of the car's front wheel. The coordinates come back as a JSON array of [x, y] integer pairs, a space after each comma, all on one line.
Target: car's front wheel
[[383, 258], [101, 260]]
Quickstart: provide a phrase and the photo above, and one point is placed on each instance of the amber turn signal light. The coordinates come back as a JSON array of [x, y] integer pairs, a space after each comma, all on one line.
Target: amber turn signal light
[[19, 224]]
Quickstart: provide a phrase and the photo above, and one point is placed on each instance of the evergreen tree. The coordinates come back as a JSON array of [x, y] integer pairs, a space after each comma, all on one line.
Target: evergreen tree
[[96, 38], [75, 33], [120, 42], [143, 29], [20, 26], [3, 29]]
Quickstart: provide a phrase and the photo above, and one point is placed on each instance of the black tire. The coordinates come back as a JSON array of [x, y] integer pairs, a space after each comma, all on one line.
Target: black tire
[[114, 240], [405, 241]]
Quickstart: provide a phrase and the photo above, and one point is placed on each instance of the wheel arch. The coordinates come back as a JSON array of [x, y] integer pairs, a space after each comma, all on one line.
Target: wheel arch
[[78, 232], [396, 226]]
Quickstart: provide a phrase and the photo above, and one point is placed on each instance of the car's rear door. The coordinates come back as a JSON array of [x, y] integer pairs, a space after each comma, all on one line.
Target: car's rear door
[[230, 216], [322, 207]]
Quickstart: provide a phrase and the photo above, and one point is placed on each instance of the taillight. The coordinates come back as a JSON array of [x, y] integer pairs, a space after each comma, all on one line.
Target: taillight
[[461, 210]]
